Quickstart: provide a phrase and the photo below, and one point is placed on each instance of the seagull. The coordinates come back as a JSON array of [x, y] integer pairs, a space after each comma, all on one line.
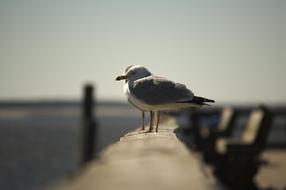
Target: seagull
[[153, 94]]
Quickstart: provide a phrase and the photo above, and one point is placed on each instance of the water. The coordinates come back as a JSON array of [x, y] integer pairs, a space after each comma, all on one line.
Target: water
[[40, 145]]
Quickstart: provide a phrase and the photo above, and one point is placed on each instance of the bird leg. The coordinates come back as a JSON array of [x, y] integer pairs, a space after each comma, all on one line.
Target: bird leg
[[158, 118], [143, 117], [151, 121]]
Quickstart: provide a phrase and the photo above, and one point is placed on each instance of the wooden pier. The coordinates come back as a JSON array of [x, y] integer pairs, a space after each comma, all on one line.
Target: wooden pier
[[142, 160]]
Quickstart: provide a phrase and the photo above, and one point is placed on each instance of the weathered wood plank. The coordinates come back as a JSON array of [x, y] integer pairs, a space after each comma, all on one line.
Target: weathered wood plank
[[144, 161]]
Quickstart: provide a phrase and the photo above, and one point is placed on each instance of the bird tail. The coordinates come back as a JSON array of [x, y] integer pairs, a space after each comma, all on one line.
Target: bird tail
[[199, 101]]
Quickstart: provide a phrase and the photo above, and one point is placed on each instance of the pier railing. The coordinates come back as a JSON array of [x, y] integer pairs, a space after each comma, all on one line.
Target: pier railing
[[144, 160]]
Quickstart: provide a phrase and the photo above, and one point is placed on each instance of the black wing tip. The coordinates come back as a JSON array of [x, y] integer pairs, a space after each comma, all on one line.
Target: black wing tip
[[199, 100], [209, 100], [202, 100]]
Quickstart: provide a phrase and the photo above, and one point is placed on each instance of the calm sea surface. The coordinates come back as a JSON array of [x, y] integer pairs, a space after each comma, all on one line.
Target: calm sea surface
[[40, 144]]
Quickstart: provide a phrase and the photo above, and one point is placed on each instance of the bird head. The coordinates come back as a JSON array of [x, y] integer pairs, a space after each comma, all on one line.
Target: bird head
[[133, 73]]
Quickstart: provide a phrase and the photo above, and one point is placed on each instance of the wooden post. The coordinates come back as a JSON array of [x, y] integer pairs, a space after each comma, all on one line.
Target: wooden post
[[88, 125]]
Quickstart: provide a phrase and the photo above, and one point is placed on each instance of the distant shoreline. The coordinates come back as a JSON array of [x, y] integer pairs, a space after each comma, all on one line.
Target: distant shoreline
[[71, 103]]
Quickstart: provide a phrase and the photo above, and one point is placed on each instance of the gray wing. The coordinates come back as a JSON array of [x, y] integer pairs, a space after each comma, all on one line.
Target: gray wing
[[155, 90]]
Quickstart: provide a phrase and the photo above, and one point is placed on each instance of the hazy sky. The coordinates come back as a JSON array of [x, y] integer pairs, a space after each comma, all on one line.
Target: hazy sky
[[230, 51]]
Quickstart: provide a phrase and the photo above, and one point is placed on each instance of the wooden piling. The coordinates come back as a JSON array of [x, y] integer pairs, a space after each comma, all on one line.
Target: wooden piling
[[88, 125]]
